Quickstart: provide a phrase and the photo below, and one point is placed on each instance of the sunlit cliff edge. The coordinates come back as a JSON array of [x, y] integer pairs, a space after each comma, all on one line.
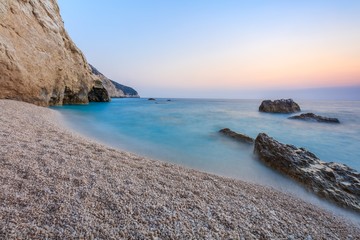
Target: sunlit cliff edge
[[39, 63]]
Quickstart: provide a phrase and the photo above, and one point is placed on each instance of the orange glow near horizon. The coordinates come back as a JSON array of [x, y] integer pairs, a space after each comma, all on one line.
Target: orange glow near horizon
[[260, 62], [289, 68]]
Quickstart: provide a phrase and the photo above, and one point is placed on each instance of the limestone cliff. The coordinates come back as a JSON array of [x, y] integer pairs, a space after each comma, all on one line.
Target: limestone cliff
[[39, 63], [115, 90]]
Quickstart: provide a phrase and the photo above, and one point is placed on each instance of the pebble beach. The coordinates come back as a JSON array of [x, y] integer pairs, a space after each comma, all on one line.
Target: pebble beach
[[56, 184]]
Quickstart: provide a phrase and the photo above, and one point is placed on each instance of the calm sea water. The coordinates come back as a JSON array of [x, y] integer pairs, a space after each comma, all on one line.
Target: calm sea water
[[185, 132]]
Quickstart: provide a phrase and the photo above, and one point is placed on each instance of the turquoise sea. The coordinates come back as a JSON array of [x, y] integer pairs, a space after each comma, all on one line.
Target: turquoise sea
[[185, 132]]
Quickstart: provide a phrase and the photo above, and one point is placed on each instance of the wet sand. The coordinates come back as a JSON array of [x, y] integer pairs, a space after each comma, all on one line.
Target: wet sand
[[57, 184]]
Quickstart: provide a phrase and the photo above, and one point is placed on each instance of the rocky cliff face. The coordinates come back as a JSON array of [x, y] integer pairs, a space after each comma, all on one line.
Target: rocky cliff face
[[39, 63], [115, 90]]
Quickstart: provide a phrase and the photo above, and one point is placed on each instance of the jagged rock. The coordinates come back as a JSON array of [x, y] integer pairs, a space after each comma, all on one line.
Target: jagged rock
[[334, 181], [115, 90], [314, 117], [40, 64], [237, 136], [279, 106], [151, 99]]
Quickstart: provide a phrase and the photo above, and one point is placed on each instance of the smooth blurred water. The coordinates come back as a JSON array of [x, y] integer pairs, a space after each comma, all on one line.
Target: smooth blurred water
[[185, 131]]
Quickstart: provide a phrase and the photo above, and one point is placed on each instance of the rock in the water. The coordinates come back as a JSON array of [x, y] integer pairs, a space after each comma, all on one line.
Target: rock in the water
[[151, 99], [237, 136], [333, 181], [279, 106], [314, 117], [115, 90], [39, 63]]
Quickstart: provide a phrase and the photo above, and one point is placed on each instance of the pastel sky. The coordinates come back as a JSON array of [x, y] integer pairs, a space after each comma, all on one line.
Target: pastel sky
[[222, 48]]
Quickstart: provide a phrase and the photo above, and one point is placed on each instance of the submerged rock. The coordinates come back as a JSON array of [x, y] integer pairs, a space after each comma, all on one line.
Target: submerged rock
[[151, 99], [336, 182], [314, 117], [279, 106], [237, 136]]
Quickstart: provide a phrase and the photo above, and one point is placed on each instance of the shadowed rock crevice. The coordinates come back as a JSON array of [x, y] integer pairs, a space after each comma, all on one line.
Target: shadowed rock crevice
[[98, 93]]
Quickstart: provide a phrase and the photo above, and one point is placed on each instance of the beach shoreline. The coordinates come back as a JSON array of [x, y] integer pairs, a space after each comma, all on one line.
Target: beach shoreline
[[58, 184]]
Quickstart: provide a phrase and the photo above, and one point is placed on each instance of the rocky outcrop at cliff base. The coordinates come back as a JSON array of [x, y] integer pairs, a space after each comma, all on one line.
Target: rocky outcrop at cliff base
[[99, 93], [39, 63], [336, 182]]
